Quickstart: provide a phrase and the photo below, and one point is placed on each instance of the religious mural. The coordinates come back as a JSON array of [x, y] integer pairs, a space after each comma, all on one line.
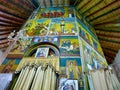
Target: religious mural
[[9, 65], [52, 39], [63, 26], [72, 68], [39, 28], [78, 49], [69, 46], [92, 60]]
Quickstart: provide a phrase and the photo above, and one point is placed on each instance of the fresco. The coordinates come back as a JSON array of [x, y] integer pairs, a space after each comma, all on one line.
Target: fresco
[[72, 68], [84, 34], [52, 13], [56, 12], [40, 27], [9, 65], [51, 39], [79, 47], [20, 46], [64, 62], [63, 26], [92, 60], [69, 46], [89, 39]]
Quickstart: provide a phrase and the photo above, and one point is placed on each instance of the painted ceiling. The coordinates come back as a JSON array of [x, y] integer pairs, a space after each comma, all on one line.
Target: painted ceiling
[[103, 15]]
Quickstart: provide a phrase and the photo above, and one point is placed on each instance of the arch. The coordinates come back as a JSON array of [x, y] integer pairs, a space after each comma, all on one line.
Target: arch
[[32, 49]]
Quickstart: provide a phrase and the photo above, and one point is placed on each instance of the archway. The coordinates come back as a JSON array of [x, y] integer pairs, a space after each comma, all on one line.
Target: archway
[[32, 49]]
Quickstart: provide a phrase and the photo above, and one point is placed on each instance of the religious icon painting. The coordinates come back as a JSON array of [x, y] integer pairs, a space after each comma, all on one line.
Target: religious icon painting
[[51, 39], [71, 67], [52, 12], [63, 26], [45, 39], [36, 39], [55, 40], [29, 27], [41, 27], [55, 26], [68, 84], [42, 52], [82, 32], [92, 59], [68, 26], [69, 46]]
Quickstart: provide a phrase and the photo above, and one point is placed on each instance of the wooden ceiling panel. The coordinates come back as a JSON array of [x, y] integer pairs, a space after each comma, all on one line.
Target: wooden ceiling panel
[[12, 12], [108, 34], [16, 7], [9, 20], [3, 14], [103, 11], [7, 28], [97, 7], [108, 17]]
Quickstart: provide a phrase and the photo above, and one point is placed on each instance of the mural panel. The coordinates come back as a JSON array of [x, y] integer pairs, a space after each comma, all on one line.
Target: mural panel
[[69, 46]]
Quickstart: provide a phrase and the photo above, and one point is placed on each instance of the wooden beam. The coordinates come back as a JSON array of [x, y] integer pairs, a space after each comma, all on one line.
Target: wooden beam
[[25, 5], [103, 8], [4, 48], [109, 43], [10, 21], [109, 52], [9, 16], [4, 45], [105, 45], [111, 39], [4, 33], [12, 6], [114, 17], [111, 49], [13, 12], [107, 23], [109, 60], [108, 35], [92, 6], [9, 28], [108, 30], [4, 41]]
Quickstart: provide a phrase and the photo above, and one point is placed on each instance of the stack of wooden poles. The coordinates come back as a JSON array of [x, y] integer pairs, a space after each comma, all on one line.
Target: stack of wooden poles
[[33, 77]]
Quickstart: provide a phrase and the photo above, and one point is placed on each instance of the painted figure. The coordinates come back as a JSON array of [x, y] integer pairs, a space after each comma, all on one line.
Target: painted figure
[[62, 25], [72, 69]]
